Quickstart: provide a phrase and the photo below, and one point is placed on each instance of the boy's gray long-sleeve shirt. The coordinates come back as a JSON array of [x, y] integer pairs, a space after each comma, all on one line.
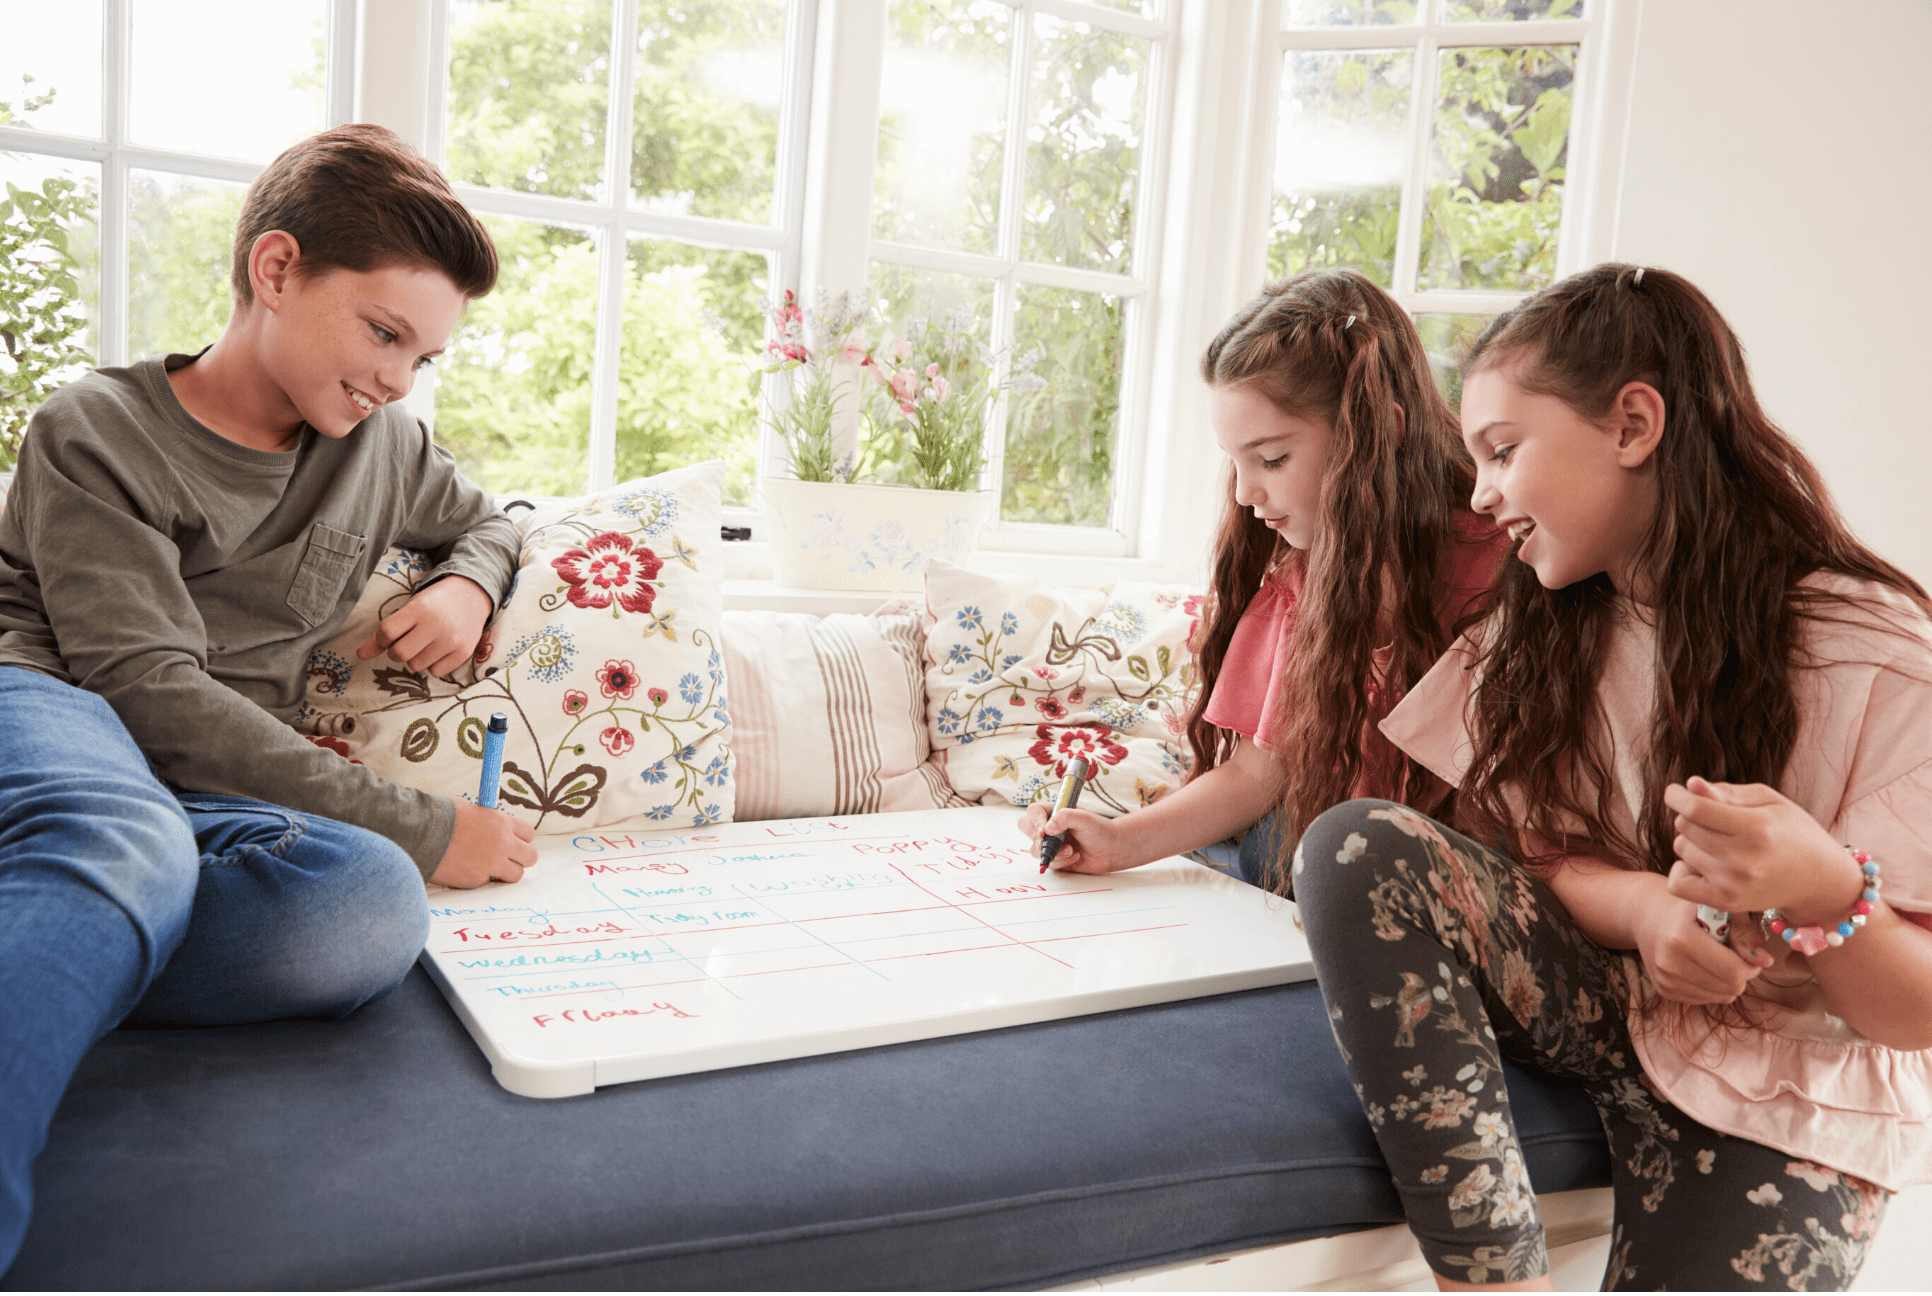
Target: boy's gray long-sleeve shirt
[[185, 579]]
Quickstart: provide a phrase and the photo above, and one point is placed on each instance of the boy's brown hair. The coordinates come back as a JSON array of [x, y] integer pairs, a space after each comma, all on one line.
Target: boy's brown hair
[[358, 197]]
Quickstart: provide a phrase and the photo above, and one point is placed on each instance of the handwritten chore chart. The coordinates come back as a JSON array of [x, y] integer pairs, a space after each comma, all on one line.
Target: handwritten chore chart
[[626, 956]]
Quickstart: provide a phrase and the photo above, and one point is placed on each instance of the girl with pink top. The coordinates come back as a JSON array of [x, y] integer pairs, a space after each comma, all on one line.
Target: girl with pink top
[[1695, 689], [1346, 558]]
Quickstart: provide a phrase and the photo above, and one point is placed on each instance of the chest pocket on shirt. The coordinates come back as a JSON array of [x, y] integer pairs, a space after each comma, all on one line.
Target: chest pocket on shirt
[[326, 563]]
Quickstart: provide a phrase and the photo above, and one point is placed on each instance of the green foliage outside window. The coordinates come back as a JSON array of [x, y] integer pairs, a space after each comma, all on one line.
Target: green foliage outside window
[[528, 83], [42, 313]]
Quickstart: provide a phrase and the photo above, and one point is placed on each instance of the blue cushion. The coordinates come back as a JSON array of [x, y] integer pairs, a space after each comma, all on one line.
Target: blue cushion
[[378, 1151]]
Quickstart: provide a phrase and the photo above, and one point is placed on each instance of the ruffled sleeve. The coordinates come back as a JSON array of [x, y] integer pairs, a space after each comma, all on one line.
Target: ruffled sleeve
[[1430, 723], [1812, 1085], [1246, 694]]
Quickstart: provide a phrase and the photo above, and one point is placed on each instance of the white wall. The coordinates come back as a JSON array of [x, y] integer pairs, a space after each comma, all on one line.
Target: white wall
[[1778, 156]]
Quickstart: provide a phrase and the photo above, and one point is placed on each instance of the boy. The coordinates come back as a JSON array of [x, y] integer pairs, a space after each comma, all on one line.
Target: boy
[[180, 534]]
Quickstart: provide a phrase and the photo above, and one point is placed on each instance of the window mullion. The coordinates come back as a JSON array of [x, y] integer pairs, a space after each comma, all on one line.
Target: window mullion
[[844, 145], [1001, 329], [1415, 188], [613, 252], [113, 323], [1136, 384], [339, 94], [436, 138]]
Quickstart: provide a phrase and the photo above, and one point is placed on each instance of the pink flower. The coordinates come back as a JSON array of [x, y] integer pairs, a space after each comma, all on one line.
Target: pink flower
[[617, 740], [575, 701], [904, 386], [853, 354], [618, 679], [658, 696], [484, 648], [1050, 707], [939, 389], [1045, 672], [610, 569], [932, 370], [900, 349]]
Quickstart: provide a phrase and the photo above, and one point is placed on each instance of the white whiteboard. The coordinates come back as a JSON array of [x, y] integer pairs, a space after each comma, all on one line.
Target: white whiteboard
[[628, 955]]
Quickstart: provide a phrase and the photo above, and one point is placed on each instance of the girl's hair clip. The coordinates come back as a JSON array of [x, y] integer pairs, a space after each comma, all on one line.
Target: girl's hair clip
[[1351, 324], [1637, 280]]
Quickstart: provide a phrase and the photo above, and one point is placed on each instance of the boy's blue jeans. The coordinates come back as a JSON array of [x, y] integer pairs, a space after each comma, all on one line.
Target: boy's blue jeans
[[121, 900]]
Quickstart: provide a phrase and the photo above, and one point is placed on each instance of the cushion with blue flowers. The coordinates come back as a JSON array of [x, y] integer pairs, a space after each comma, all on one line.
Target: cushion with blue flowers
[[605, 659], [1022, 676]]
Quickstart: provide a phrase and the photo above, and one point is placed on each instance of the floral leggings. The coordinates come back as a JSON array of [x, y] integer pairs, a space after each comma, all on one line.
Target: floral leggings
[[1438, 958]]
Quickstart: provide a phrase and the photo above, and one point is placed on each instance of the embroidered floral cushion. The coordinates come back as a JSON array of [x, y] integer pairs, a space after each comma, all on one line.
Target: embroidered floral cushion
[[1023, 676], [828, 714], [605, 659]]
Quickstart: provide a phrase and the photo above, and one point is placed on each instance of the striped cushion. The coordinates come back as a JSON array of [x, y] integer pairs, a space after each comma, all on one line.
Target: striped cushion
[[828, 715]]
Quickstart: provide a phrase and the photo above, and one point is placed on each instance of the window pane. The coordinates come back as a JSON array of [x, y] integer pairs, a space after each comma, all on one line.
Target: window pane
[[685, 392], [513, 392], [1346, 13], [528, 86], [1511, 10], [247, 100], [1447, 339], [50, 276], [181, 232], [1341, 150], [704, 138], [942, 124], [903, 298], [1083, 145], [59, 46], [1502, 128], [1060, 438], [1145, 8]]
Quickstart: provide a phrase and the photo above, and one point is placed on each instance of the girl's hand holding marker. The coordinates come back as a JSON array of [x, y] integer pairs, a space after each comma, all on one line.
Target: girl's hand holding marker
[[1069, 797]]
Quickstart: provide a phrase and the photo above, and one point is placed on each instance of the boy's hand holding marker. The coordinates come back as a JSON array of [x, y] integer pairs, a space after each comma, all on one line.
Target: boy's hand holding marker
[[487, 845]]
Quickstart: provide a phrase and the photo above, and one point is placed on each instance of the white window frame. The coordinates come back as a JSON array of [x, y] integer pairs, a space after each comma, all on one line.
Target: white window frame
[[1009, 271], [1603, 36], [1201, 236], [116, 153]]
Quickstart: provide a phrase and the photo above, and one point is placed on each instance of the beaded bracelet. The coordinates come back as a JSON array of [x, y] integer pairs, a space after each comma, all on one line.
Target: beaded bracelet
[[1812, 938]]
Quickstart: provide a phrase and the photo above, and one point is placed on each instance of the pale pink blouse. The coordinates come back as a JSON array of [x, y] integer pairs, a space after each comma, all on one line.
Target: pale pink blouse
[[1247, 693], [1809, 1085]]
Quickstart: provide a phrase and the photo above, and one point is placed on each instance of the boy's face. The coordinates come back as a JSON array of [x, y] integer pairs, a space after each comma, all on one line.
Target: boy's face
[[346, 342]]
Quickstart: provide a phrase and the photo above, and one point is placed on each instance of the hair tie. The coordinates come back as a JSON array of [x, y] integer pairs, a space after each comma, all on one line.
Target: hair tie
[[1351, 324]]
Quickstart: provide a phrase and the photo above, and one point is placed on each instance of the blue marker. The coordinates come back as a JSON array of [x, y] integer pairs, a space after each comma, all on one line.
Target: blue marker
[[492, 760]]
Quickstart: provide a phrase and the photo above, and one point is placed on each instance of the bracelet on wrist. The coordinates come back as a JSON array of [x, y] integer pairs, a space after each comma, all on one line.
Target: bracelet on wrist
[[1812, 937]]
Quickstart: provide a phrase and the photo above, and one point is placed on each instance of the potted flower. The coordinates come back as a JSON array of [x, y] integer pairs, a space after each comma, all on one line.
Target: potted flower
[[870, 512]]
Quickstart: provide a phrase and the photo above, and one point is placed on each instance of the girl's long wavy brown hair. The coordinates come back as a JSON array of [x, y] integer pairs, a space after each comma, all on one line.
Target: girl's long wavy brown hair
[[1742, 517], [1397, 472]]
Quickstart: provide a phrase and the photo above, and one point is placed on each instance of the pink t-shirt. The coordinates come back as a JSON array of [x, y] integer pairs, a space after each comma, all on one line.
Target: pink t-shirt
[[1247, 692], [1862, 766]]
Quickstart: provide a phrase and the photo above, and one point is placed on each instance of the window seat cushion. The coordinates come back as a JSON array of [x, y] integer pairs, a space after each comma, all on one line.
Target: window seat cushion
[[378, 1151]]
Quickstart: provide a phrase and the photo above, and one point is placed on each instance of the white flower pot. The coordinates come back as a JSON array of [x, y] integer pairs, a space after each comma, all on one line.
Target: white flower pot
[[827, 535]]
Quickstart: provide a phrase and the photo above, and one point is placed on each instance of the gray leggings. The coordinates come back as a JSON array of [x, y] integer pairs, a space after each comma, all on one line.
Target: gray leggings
[[1437, 958]]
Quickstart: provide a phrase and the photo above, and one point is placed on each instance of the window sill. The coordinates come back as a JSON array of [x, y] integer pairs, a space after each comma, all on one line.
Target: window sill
[[748, 584]]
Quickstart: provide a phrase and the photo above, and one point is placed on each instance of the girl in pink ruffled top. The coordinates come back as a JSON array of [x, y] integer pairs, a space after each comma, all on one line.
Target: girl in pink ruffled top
[[1347, 558], [1693, 746]]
